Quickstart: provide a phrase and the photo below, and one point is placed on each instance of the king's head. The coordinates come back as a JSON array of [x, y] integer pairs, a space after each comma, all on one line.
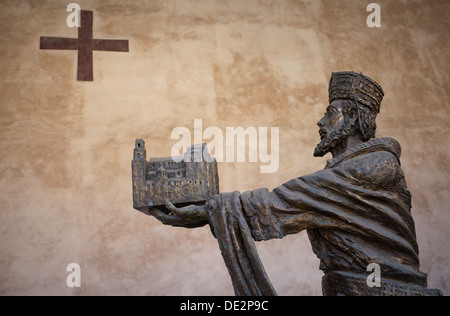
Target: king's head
[[354, 102]]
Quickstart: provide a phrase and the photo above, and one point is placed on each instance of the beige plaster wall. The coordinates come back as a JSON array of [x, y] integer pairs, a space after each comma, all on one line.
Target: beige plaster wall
[[66, 146]]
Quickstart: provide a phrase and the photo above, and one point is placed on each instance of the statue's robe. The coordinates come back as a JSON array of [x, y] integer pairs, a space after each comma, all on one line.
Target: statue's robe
[[356, 211]]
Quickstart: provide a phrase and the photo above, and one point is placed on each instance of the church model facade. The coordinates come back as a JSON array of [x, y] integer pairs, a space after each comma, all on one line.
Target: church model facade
[[189, 179]]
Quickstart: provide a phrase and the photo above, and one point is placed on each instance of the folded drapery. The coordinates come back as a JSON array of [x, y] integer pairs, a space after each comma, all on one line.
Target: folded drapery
[[237, 246]]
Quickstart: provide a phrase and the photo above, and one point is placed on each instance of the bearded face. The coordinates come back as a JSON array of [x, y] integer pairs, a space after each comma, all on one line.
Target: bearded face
[[333, 128]]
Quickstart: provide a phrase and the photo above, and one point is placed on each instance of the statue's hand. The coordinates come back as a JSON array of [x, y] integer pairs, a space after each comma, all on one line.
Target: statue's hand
[[191, 216]]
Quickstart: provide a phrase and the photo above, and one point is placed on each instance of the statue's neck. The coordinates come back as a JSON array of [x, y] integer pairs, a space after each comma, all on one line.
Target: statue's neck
[[351, 142]]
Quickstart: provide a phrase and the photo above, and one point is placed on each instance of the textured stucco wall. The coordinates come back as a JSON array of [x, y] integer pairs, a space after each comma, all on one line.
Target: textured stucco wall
[[66, 146]]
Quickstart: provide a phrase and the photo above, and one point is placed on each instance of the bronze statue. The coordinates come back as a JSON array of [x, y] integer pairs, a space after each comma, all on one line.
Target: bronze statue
[[357, 211]]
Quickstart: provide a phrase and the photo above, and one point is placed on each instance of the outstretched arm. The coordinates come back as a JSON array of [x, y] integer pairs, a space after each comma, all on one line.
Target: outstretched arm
[[288, 209]]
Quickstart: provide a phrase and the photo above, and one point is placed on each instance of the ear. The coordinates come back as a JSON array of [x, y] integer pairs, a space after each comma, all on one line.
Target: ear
[[352, 115]]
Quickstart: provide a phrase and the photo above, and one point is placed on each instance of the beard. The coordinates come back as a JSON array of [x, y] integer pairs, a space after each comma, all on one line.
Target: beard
[[330, 141]]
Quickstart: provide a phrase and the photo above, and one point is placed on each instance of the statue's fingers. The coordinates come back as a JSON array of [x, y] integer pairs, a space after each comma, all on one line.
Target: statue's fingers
[[163, 217], [175, 210], [170, 207]]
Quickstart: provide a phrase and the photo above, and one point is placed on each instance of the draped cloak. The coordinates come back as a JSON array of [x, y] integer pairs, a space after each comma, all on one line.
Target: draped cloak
[[356, 211]]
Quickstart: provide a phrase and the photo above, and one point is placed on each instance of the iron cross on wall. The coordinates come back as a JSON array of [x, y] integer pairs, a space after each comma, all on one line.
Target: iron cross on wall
[[85, 44]]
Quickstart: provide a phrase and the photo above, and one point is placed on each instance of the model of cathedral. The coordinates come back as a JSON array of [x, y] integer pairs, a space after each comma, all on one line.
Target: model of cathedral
[[189, 179]]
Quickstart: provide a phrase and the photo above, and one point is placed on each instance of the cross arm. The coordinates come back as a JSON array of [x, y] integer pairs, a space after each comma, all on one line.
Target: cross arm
[[110, 45], [58, 43]]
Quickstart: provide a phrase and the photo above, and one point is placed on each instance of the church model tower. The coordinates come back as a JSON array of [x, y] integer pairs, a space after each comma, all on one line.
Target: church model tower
[[181, 180]]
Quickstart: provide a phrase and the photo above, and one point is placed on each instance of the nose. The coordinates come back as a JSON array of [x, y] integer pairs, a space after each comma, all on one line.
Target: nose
[[320, 123]]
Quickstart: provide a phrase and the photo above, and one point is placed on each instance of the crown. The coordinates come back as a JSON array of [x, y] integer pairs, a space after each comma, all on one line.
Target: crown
[[351, 85]]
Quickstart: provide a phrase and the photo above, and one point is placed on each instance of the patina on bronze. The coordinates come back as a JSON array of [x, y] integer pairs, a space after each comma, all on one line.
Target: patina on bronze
[[356, 211]]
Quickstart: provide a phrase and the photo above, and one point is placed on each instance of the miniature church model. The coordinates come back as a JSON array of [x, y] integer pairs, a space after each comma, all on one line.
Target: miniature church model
[[184, 180]]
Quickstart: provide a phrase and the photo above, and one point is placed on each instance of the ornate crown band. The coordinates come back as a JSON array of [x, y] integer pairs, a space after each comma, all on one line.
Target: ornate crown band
[[351, 85]]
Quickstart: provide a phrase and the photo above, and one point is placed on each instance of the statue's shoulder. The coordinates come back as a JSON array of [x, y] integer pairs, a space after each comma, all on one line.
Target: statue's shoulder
[[388, 144], [374, 151]]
